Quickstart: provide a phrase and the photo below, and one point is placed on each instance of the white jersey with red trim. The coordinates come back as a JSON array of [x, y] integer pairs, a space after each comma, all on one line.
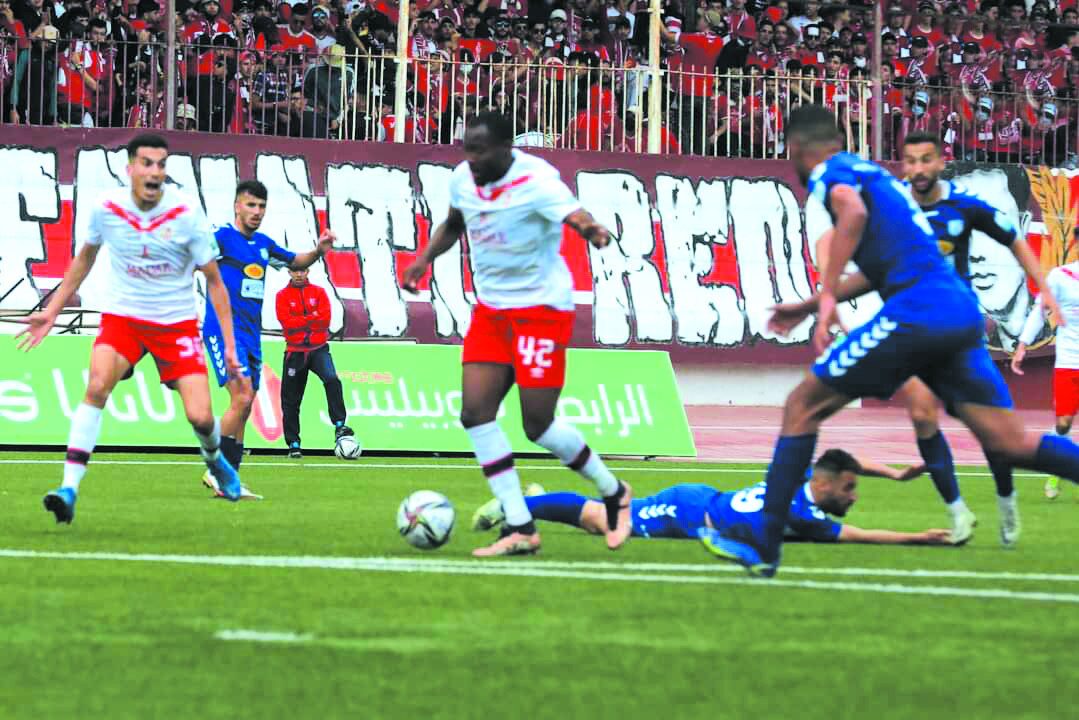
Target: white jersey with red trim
[[151, 255], [515, 233], [1064, 282]]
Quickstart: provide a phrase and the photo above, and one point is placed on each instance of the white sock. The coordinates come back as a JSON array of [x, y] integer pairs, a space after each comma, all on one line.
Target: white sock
[[958, 507], [495, 456], [1007, 502], [210, 445], [567, 444], [85, 427]]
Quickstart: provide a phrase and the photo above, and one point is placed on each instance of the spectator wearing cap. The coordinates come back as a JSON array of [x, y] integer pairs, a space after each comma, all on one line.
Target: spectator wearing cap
[[321, 28], [1047, 139], [921, 65], [504, 41], [215, 96], [925, 25], [972, 76], [270, 93], [700, 51], [920, 115], [187, 118], [243, 121], [326, 84], [243, 27], [556, 30], [895, 24], [207, 26], [859, 51], [295, 36], [590, 44], [812, 52]]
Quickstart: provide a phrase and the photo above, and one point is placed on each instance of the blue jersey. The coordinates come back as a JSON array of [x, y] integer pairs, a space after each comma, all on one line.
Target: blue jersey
[[956, 215], [679, 511], [243, 262], [898, 249]]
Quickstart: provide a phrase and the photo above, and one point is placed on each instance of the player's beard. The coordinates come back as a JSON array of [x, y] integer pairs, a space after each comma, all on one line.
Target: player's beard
[[923, 185]]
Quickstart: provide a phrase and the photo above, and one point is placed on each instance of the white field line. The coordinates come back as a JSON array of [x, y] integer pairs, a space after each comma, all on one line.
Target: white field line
[[262, 636], [361, 465], [616, 573]]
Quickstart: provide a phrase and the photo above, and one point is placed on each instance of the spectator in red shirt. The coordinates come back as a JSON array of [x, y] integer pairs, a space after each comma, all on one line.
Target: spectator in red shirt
[[812, 53], [304, 312], [504, 41], [921, 65], [295, 37], [925, 26]]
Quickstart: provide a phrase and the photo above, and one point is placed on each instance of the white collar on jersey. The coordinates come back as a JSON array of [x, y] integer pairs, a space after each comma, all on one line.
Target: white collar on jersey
[[945, 189], [809, 494]]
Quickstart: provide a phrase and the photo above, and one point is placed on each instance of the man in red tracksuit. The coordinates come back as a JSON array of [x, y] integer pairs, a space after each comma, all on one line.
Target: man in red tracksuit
[[304, 313]]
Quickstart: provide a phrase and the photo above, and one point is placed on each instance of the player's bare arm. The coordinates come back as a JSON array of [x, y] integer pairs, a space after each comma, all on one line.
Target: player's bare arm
[[850, 219], [219, 298], [40, 323], [1022, 252], [872, 468], [852, 534], [587, 227], [302, 261], [446, 234]]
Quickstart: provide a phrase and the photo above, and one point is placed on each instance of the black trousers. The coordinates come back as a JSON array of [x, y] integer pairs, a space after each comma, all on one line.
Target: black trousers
[[294, 382]]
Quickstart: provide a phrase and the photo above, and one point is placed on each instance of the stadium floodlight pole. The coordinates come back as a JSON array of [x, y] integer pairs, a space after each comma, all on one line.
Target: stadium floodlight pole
[[401, 78], [877, 83], [170, 66], [654, 105]]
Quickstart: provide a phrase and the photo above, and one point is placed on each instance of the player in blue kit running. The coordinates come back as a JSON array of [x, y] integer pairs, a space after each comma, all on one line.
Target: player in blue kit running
[[684, 511], [243, 254], [954, 214], [930, 327]]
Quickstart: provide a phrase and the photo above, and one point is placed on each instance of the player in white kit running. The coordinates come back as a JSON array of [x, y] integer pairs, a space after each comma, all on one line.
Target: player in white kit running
[[156, 237], [1064, 283], [513, 206]]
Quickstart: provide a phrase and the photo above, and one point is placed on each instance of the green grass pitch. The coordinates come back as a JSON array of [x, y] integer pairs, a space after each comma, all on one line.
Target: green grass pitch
[[350, 622]]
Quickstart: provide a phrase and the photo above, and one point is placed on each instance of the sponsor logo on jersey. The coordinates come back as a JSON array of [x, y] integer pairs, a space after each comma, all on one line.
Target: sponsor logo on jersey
[[947, 247], [254, 270]]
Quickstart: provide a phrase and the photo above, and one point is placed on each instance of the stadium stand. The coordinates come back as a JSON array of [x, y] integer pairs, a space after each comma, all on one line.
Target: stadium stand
[[996, 79]]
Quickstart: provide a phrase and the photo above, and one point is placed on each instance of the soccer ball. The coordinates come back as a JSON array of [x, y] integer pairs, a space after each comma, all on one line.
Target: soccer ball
[[347, 448], [425, 519]]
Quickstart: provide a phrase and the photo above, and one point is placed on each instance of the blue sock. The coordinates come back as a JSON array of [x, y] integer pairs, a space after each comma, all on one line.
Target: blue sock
[[792, 456], [562, 507], [1002, 475], [938, 460], [1059, 456]]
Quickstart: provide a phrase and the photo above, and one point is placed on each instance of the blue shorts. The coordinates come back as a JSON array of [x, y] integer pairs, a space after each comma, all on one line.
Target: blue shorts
[[676, 512], [938, 337], [248, 351]]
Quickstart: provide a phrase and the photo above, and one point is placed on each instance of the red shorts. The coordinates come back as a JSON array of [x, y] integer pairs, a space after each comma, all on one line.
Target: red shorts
[[1065, 392], [176, 348], [533, 340]]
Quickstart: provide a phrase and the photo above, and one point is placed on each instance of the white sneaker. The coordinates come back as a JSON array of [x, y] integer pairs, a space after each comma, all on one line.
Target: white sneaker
[[1052, 488], [1009, 520], [963, 524], [534, 490], [210, 481]]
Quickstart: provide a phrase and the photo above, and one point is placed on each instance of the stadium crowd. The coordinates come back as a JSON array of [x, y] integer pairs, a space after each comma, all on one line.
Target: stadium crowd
[[996, 79]]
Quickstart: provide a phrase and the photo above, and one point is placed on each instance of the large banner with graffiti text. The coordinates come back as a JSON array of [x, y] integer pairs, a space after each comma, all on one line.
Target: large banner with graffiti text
[[399, 396], [702, 247]]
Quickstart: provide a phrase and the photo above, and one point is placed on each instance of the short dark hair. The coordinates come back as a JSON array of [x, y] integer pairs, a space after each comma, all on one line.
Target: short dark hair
[[252, 187], [917, 138], [145, 140], [837, 461], [813, 123], [98, 23], [500, 126]]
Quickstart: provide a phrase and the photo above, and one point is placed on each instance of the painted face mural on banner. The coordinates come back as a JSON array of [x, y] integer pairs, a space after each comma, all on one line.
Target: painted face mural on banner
[[701, 248]]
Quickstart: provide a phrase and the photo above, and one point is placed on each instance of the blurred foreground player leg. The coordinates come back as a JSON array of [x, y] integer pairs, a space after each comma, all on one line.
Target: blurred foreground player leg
[[514, 206], [1064, 283], [156, 238], [930, 326]]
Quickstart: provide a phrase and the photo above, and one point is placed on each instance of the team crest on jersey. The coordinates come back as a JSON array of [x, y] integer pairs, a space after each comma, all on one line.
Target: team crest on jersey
[[946, 247], [254, 271], [955, 228]]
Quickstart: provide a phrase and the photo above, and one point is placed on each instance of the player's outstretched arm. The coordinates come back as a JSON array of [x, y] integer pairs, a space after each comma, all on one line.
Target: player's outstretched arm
[[219, 298], [587, 227], [851, 534], [39, 323], [872, 468], [787, 316], [1033, 325], [445, 235], [1033, 269], [302, 261]]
